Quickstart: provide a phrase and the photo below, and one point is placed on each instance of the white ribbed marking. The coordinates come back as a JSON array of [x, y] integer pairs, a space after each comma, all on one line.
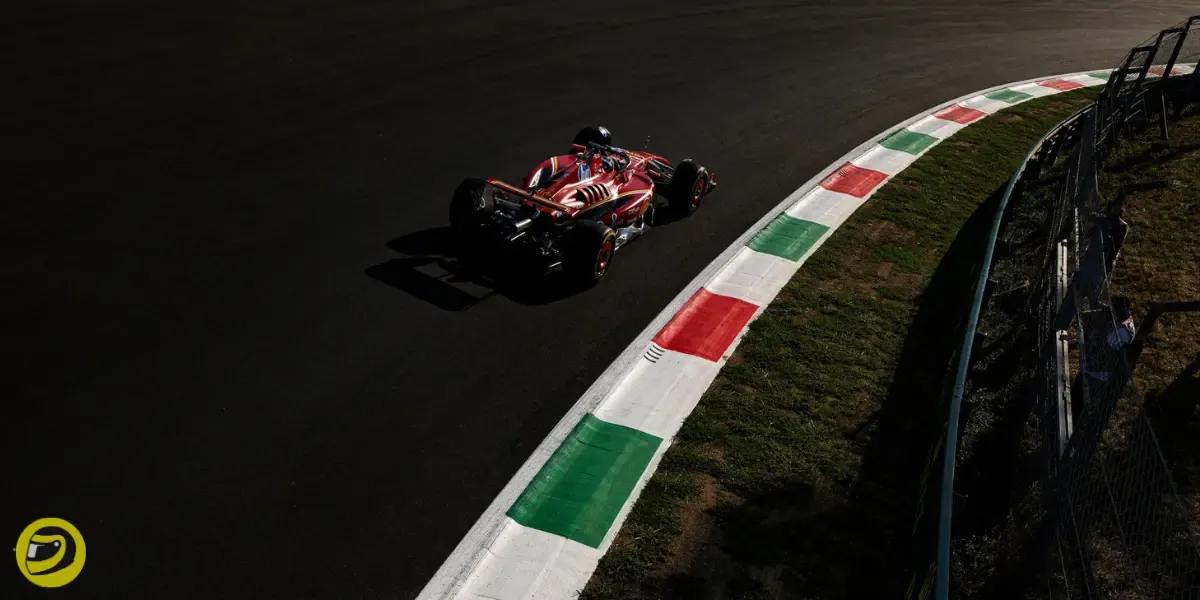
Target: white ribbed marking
[[754, 277], [884, 160]]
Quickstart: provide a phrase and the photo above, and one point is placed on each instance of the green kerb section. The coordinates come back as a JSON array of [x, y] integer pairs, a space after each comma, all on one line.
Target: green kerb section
[[908, 141], [1009, 96], [583, 486], [1101, 75], [788, 237]]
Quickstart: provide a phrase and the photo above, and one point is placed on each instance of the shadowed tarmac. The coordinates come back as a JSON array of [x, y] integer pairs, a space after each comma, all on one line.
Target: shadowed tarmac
[[219, 369]]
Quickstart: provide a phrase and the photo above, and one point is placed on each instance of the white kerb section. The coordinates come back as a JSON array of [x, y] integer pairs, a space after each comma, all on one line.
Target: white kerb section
[[528, 563], [935, 127], [1037, 91], [986, 105], [660, 392], [825, 207], [1084, 79], [753, 276], [884, 160]]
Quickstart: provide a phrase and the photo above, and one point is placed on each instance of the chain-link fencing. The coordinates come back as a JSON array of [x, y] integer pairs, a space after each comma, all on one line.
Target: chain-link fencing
[[1110, 521], [1113, 517]]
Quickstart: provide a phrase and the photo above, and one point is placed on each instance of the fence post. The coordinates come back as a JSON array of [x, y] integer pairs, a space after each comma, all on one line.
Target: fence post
[[1162, 111], [1178, 102]]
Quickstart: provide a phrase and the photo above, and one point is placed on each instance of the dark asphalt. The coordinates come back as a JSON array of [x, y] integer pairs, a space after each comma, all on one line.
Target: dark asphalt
[[218, 368]]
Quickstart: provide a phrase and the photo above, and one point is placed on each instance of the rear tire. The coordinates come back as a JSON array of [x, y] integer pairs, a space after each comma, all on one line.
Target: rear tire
[[470, 208], [588, 250], [688, 186], [594, 134]]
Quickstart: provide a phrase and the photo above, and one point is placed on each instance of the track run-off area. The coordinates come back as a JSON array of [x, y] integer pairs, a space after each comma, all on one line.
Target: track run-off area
[[240, 356]]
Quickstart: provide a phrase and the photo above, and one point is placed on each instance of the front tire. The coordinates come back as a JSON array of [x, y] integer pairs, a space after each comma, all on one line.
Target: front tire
[[688, 186], [588, 250]]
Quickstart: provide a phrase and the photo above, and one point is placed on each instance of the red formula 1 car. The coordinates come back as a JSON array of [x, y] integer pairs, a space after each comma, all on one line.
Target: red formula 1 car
[[574, 211]]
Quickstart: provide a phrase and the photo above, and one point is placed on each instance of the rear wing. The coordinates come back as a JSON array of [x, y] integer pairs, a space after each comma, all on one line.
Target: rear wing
[[526, 196]]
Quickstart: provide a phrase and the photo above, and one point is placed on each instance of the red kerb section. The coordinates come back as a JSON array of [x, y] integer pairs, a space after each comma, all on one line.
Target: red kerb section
[[856, 181], [1061, 85], [706, 325], [960, 114]]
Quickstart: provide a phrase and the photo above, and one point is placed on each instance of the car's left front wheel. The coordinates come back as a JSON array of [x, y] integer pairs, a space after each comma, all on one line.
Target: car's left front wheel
[[689, 184]]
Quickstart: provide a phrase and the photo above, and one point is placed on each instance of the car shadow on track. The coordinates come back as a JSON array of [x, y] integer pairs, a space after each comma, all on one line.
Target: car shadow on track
[[429, 268]]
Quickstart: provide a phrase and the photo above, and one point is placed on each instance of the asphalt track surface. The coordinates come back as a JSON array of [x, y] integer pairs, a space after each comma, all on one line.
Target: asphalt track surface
[[237, 353]]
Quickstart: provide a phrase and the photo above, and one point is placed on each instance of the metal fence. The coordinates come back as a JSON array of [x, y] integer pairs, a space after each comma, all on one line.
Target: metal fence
[[1113, 515], [1111, 522]]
